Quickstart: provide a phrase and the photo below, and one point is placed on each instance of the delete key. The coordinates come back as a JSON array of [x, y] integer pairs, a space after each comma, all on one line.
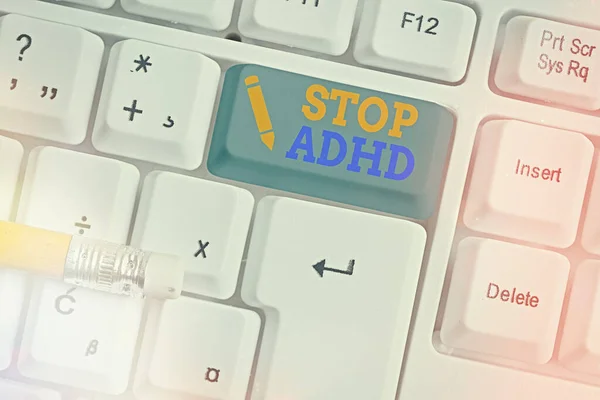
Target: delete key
[[551, 61]]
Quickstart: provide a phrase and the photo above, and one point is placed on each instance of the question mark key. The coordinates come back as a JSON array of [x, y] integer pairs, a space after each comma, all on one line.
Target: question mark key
[[26, 40], [49, 72]]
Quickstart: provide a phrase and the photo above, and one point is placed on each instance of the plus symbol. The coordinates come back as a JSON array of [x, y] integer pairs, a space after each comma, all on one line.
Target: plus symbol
[[133, 110]]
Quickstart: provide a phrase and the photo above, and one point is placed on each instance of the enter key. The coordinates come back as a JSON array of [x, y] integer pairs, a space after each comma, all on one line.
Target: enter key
[[332, 141]]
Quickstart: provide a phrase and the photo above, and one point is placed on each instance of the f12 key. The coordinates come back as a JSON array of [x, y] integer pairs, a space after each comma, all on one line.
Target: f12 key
[[426, 38]]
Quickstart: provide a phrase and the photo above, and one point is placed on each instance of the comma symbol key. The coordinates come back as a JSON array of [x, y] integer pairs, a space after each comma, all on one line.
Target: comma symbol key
[[53, 91], [69, 63], [13, 84]]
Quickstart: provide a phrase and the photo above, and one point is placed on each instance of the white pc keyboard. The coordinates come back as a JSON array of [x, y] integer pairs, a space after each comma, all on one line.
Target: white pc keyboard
[[373, 199]]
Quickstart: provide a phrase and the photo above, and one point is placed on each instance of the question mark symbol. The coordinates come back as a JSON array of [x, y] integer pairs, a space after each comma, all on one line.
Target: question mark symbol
[[27, 45]]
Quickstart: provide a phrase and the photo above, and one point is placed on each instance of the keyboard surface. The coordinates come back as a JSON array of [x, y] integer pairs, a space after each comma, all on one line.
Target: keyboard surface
[[374, 199]]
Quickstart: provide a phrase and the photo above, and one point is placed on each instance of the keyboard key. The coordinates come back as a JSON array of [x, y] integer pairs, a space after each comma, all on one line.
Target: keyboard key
[[156, 104], [435, 38], [78, 194], [550, 61], [196, 349], [210, 14], [528, 182], [337, 142], [11, 153], [10, 390], [580, 347], [205, 223], [103, 4], [12, 296], [324, 26], [48, 78], [590, 237], [12, 283], [80, 337], [338, 288], [498, 305]]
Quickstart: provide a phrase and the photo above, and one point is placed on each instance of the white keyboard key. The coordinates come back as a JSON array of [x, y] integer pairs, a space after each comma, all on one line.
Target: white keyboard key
[[206, 223], [12, 296], [551, 61], [10, 390], [12, 283], [196, 349], [78, 193], [11, 154], [590, 237], [156, 104], [431, 39], [528, 182], [324, 26], [79, 337], [102, 4], [210, 14], [580, 345], [48, 78], [497, 304], [338, 288]]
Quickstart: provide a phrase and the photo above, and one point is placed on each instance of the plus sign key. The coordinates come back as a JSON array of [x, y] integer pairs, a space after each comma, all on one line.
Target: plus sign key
[[156, 104]]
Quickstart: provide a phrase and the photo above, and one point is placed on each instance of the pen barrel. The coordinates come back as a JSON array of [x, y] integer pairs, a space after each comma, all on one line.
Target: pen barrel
[[109, 267], [32, 249], [258, 104]]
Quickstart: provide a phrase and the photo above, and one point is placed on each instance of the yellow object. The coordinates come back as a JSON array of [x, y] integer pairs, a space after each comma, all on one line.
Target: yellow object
[[35, 250], [261, 114], [90, 263], [316, 109]]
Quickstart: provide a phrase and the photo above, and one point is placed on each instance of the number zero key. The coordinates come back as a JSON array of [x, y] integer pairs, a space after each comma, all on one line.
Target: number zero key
[[332, 141]]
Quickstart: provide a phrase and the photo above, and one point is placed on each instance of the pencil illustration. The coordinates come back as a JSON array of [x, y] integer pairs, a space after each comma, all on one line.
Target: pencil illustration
[[261, 114]]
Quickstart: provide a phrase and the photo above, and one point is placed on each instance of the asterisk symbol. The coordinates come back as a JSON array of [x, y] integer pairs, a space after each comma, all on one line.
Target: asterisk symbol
[[143, 62]]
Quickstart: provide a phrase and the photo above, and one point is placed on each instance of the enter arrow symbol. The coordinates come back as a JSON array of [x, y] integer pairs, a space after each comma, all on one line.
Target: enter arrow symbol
[[320, 268]]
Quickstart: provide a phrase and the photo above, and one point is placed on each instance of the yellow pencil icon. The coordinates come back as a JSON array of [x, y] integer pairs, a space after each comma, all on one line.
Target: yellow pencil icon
[[261, 114]]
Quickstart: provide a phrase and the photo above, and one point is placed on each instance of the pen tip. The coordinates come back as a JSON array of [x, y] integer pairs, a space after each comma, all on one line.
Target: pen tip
[[268, 139]]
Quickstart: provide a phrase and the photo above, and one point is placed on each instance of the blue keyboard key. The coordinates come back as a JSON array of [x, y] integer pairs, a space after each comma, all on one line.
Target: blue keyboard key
[[337, 142]]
